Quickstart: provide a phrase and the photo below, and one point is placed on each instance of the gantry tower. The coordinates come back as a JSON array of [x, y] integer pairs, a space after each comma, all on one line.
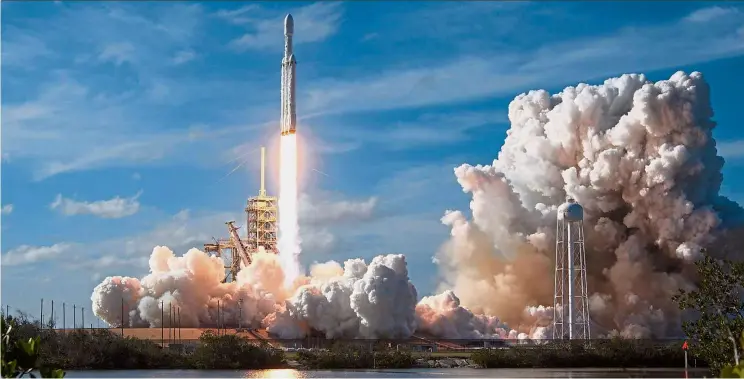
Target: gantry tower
[[261, 226], [570, 299], [261, 215]]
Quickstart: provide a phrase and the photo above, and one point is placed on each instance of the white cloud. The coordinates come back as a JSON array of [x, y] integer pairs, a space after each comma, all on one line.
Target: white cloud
[[487, 73], [427, 130], [731, 149], [26, 254], [118, 53], [181, 232], [117, 207], [184, 56], [313, 23], [322, 214], [710, 13], [23, 48], [326, 210], [7, 209]]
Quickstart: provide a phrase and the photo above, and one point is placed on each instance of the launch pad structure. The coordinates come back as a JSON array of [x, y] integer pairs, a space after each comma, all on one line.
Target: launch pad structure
[[261, 211], [261, 231]]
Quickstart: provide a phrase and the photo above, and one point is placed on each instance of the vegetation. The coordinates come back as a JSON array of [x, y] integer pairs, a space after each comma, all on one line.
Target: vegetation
[[605, 354], [717, 303], [354, 358], [233, 352], [101, 349], [21, 357]]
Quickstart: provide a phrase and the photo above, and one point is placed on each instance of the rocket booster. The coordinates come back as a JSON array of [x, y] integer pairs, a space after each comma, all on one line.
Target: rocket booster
[[289, 117]]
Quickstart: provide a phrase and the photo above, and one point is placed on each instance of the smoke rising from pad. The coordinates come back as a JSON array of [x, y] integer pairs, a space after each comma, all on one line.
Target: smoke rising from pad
[[358, 300], [639, 157]]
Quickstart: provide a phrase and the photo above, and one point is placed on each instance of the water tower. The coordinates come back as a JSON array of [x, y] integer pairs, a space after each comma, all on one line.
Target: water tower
[[570, 299]]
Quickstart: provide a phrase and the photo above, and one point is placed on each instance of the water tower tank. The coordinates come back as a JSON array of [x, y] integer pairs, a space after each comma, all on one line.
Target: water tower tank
[[572, 211]]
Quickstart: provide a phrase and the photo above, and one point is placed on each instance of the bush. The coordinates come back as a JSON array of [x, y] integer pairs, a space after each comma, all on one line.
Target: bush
[[233, 352], [340, 358], [21, 356], [101, 349], [559, 354]]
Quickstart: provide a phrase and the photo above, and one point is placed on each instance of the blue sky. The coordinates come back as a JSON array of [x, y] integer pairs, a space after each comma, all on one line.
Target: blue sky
[[122, 122]]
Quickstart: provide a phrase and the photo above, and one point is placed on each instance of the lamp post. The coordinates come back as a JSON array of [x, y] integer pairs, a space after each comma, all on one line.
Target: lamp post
[[240, 313]]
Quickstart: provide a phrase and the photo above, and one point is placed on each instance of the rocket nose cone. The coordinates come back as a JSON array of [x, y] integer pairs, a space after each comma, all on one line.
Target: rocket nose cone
[[288, 25]]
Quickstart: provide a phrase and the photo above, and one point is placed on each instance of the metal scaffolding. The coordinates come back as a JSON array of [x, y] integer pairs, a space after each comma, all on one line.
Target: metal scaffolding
[[261, 215], [261, 226]]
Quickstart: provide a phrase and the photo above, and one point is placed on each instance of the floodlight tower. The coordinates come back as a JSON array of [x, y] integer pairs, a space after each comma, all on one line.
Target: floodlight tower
[[570, 299]]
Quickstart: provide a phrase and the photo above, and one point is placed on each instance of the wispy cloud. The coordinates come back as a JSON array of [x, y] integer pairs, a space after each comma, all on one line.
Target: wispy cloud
[[325, 211], [731, 149], [116, 207], [26, 254], [319, 21], [7, 209], [117, 119], [184, 56], [118, 53], [475, 76], [322, 213], [710, 13]]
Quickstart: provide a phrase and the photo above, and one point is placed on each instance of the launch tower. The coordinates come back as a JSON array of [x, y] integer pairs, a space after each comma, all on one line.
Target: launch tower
[[570, 299], [261, 229], [261, 216]]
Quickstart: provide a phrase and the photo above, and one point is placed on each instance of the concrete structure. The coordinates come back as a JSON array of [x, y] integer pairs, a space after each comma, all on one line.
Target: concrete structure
[[570, 299]]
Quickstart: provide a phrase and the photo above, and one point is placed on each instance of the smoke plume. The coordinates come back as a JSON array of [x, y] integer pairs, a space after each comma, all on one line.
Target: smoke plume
[[639, 157]]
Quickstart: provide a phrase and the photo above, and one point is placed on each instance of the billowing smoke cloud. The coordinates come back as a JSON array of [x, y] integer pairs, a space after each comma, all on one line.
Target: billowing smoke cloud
[[358, 300], [641, 159], [639, 156]]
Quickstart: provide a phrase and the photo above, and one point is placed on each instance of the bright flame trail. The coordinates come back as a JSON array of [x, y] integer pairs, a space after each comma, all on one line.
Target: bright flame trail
[[289, 229]]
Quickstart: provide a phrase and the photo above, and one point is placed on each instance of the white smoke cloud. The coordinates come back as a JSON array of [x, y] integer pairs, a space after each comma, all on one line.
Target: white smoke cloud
[[358, 300], [639, 156], [641, 159]]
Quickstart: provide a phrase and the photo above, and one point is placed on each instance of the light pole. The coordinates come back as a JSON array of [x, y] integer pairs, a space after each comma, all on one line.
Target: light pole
[[240, 313]]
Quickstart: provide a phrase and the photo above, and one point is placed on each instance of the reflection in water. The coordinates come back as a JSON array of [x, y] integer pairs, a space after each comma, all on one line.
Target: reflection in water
[[279, 373]]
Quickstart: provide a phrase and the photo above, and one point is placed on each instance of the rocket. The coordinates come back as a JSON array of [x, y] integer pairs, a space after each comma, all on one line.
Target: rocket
[[289, 118]]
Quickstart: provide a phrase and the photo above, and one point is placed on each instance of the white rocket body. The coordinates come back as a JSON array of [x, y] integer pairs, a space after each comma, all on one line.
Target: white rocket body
[[289, 118]]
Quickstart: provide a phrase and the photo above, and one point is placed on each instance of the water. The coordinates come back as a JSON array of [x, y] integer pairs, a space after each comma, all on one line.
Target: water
[[408, 373]]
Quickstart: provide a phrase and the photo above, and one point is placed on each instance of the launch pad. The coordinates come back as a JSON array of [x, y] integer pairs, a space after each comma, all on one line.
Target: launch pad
[[261, 211], [261, 231]]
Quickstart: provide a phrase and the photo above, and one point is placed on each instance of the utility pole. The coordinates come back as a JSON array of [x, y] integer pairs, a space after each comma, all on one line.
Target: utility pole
[[218, 317], [170, 323], [82, 316], [122, 315], [240, 313], [52, 316], [41, 318], [162, 323], [64, 324], [74, 316]]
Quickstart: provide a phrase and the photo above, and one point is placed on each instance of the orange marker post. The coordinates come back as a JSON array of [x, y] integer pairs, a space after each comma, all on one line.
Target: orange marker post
[[684, 347]]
